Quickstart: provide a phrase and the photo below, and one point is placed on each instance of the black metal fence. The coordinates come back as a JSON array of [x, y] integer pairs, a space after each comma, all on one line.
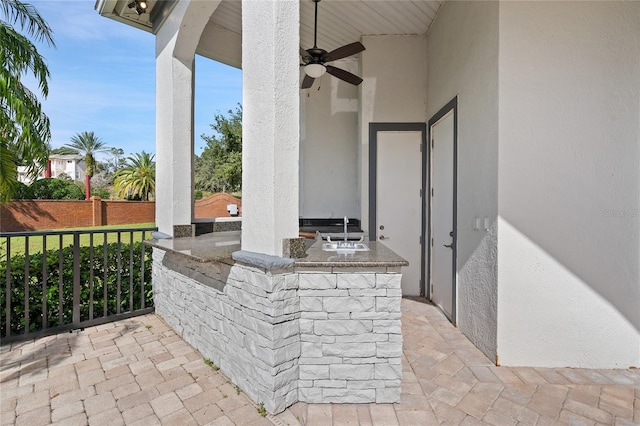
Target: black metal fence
[[64, 280]]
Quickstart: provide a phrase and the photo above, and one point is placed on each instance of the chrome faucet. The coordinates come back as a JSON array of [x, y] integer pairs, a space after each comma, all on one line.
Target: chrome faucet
[[346, 220]]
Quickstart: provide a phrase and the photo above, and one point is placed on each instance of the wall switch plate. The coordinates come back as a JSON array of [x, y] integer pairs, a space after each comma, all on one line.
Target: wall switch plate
[[476, 224]]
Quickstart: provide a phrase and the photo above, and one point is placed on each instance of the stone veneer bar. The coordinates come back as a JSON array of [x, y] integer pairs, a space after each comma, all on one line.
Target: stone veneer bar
[[321, 329]]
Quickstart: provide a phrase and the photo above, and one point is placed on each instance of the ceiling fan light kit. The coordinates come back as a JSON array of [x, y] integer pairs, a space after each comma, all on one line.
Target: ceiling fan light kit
[[314, 59], [315, 70]]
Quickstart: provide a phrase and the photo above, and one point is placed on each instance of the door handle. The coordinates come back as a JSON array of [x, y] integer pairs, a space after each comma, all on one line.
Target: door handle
[[448, 246], [382, 237]]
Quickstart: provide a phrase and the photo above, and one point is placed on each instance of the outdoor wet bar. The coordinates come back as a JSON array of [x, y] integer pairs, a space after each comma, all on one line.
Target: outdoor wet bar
[[319, 329]]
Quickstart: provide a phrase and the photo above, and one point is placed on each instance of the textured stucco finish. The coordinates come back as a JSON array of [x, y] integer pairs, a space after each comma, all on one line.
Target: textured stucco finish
[[462, 60], [569, 232], [329, 147], [271, 104], [176, 43], [548, 139]]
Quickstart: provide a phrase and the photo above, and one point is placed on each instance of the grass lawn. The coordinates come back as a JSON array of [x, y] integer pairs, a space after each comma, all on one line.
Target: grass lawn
[[18, 244]]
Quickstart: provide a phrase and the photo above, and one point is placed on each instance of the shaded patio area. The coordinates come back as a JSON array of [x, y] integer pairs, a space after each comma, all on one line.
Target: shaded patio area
[[138, 371]]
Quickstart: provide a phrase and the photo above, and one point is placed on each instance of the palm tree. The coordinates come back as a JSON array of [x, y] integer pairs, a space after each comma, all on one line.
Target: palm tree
[[137, 179], [24, 128], [88, 143]]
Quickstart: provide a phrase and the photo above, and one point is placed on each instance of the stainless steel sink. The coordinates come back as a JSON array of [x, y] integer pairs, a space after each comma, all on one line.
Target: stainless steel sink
[[342, 247], [345, 246]]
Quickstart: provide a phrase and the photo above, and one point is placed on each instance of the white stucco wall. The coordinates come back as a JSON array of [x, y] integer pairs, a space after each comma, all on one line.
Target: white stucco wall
[[271, 105], [393, 90], [174, 139], [569, 231], [329, 147], [176, 44], [462, 60]]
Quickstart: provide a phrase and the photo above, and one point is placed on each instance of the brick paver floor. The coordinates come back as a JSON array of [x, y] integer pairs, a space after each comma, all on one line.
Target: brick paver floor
[[138, 371]]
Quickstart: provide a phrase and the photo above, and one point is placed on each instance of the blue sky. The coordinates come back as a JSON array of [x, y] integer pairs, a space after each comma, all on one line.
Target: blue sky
[[103, 80]]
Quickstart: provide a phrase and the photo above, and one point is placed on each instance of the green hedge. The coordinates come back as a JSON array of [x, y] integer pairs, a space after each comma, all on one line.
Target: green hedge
[[54, 307]]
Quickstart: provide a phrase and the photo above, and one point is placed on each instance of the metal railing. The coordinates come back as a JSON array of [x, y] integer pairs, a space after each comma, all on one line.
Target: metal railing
[[64, 280]]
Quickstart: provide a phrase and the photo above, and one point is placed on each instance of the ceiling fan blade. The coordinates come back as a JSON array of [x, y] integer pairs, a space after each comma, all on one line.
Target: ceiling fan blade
[[307, 82], [344, 75], [306, 56], [344, 51]]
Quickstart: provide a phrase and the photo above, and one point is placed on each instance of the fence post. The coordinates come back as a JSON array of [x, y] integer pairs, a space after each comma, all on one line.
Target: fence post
[[76, 279], [97, 211]]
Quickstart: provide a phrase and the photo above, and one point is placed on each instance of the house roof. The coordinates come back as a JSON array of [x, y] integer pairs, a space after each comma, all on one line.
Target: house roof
[[66, 157], [339, 22]]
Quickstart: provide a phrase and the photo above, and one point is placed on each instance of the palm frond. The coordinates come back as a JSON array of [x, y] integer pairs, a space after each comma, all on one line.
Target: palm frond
[[138, 177], [88, 143], [28, 18], [24, 128], [8, 172], [19, 55]]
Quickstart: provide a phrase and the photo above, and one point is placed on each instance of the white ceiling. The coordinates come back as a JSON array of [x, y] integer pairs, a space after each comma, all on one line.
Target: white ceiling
[[340, 22], [344, 21]]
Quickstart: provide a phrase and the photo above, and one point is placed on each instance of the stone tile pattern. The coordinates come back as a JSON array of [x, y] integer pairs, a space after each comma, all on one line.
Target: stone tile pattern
[[250, 329], [139, 372], [135, 371], [350, 337], [283, 336], [447, 380]]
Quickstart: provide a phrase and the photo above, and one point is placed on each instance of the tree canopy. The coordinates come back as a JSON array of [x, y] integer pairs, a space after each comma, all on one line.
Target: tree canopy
[[137, 179], [65, 150], [88, 143], [219, 167], [24, 128], [53, 189]]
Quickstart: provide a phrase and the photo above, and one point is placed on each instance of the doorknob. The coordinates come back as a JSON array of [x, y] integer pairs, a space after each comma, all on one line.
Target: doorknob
[[382, 237], [448, 246]]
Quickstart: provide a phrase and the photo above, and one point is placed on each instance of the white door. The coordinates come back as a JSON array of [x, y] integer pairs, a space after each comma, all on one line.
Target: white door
[[442, 229], [398, 185]]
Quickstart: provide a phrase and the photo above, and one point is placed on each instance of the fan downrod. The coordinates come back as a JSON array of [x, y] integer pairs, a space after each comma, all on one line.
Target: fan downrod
[[317, 56]]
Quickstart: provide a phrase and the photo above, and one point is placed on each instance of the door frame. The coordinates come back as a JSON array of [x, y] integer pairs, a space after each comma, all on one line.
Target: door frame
[[452, 105], [374, 128]]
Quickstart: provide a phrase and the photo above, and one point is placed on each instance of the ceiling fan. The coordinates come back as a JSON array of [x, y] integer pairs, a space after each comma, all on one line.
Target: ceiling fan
[[315, 59]]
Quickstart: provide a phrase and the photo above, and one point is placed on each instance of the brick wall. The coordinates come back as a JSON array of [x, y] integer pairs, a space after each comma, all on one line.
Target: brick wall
[[119, 212], [33, 215], [215, 206]]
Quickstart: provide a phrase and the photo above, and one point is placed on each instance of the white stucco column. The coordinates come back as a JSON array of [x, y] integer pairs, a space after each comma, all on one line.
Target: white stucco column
[[270, 46], [174, 142], [176, 43]]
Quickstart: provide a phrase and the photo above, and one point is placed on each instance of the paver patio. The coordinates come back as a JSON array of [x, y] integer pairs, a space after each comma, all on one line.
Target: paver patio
[[138, 371]]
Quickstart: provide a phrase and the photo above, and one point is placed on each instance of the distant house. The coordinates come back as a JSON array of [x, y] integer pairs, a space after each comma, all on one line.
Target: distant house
[[72, 165]]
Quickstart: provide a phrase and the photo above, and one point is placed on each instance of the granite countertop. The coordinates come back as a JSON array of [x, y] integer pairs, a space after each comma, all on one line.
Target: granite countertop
[[215, 246], [378, 255], [219, 246]]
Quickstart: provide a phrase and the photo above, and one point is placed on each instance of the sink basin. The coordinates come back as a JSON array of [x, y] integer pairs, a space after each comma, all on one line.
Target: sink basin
[[341, 247]]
